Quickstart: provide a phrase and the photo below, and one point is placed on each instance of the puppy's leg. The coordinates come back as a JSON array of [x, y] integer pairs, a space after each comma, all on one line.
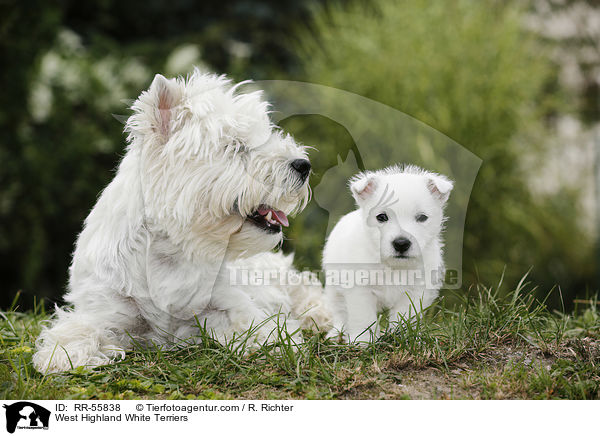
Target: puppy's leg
[[411, 303], [362, 314], [337, 307], [91, 335]]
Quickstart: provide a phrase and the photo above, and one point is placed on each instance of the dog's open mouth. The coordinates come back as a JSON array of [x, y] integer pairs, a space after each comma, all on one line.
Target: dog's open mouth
[[268, 219]]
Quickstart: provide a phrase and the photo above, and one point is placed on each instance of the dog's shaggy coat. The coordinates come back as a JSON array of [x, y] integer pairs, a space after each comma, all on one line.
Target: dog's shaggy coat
[[203, 166]]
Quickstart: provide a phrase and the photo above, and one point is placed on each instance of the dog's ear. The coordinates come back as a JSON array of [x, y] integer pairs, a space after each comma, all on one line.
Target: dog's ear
[[165, 95], [439, 186], [362, 186]]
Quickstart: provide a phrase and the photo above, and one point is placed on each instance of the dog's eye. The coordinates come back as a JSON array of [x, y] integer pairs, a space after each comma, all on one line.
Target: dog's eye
[[421, 218], [382, 217]]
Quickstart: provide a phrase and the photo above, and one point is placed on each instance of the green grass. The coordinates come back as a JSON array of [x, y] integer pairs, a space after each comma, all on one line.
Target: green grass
[[488, 346]]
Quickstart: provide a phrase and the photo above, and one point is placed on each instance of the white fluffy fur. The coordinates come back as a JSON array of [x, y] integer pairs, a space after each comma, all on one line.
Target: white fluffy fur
[[153, 255], [360, 242]]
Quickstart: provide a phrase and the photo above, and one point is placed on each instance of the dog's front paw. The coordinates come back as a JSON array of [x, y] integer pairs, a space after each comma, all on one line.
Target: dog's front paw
[[52, 357], [70, 342]]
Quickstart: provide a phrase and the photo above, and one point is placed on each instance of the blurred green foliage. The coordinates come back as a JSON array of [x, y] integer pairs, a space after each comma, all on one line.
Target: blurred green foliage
[[467, 68]]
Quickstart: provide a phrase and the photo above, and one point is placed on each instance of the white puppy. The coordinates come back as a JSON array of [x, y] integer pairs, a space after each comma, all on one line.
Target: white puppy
[[387, 254], [205, 186]]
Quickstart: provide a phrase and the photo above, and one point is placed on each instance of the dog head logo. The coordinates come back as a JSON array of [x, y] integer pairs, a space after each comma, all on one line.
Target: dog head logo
[[26, 415], [379, 134], [327, 192]]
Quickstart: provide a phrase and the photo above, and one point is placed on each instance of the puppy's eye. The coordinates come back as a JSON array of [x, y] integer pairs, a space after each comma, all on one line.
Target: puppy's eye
[[382, 217], [421, 218]]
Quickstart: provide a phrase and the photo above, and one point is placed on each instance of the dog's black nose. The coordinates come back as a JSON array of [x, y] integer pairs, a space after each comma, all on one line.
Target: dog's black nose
[[401, 245], [302, 166]]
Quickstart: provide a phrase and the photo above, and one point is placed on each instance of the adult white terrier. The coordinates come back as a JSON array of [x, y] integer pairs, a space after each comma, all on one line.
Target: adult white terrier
[[205, 186], [387, 254]]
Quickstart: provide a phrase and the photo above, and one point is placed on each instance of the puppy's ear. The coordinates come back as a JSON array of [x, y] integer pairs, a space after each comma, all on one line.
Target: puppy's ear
[[362, 186], [165, 95], [439, 186]]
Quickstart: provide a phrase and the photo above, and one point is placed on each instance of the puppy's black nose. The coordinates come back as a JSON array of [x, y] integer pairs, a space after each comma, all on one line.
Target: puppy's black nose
[[302, 166], [401, 245]]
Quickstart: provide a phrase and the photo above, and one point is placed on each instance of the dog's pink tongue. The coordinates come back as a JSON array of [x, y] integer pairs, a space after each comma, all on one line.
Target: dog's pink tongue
[[277, 215], [281, 217]]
